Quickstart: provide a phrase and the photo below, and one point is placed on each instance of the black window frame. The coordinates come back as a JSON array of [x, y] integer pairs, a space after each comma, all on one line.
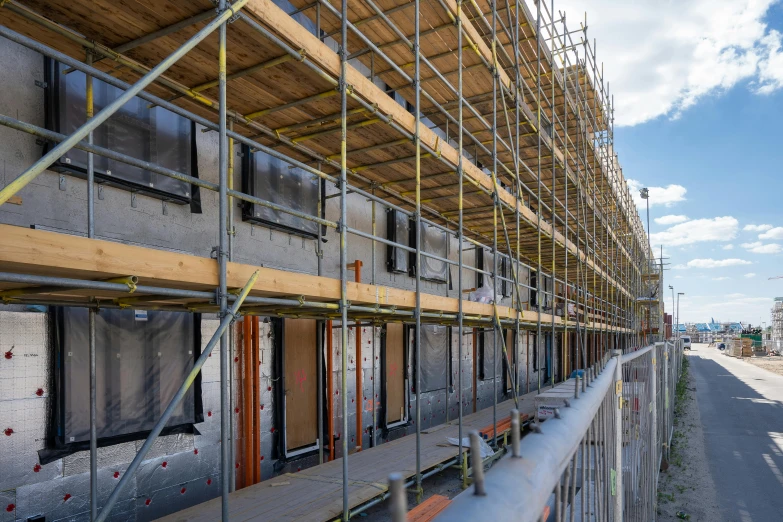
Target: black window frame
[[411, 331], [56, 445], [296, 225], [427, 228], [53, 102], [394, 229]]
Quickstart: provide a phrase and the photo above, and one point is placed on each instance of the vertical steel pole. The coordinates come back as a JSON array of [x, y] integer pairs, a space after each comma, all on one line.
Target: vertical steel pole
[[618, 438], [319, 341], [460, 237], [225, 411], [518, 96], [552, 68], [417, 139], [496, 200], [538, 196], [90, 106], [344, 245], [372, 281], [398, 503], [565, 185], [231, 329]]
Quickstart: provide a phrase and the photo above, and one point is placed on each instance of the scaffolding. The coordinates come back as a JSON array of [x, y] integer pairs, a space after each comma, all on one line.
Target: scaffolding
[[777, 320], [507, 143]]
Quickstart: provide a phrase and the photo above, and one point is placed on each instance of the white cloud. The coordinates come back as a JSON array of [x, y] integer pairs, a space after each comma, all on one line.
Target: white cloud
[[735, 296], [697, 230], [722, 278], [714, 263], [771, 66], [756, 228], [671, 219], [663, 57], [750, 275], [728, 247], [667, 196], [772, 233], [758, 247], [726, 308]]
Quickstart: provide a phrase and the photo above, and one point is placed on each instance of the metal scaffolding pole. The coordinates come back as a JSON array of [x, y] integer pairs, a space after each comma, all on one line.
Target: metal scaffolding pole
[[343, 87], [127, 477], [552, 66], [417, 139], [538, 196], [89, 104], [497, 331], [226, 467], [460, 234]]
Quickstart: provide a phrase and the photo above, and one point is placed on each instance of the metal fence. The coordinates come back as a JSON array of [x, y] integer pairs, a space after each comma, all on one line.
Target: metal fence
[[620, 417]]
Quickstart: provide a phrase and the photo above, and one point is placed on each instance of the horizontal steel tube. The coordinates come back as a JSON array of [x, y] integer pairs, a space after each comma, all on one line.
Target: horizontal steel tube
[[518, 488]]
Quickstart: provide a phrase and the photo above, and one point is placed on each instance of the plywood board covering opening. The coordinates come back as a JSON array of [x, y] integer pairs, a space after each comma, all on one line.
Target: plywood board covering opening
[[395, 373], [299, 353]]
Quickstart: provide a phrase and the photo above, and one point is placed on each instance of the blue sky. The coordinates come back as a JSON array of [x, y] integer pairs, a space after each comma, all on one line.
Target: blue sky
[[698, 88]]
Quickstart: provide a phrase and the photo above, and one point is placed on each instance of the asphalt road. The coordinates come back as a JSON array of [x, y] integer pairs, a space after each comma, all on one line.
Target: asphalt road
[[741, 409]]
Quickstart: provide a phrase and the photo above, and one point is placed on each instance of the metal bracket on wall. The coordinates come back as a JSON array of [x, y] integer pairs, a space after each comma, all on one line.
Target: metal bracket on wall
[[62, 181], [100, 192], [165, 208], [133, 200]]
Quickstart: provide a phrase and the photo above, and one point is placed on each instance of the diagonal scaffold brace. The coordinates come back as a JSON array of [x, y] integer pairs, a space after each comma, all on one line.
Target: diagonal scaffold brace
[[134, 466], [82, 132]]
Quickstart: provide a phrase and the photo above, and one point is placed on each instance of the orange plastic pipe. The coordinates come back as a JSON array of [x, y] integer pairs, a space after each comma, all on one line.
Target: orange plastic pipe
[[247, 408], [256, 403]]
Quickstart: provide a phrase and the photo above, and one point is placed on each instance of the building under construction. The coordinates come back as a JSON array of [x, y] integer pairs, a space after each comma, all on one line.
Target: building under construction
[[256, 255]]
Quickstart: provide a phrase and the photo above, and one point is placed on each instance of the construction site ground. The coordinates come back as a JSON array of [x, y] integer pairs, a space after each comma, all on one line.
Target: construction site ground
[[773, 363], [686, 485]]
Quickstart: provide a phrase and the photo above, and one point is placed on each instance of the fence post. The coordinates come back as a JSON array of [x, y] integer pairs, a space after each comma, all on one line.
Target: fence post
[[665, 411], [654, 407], [618, 438]]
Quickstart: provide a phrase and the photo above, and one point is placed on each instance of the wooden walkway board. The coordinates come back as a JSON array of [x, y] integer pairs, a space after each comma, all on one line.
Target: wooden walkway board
[[29, 251], [315, 494]]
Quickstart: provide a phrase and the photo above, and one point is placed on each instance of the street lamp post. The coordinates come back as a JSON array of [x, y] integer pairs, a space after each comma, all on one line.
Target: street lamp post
[[678, 315], [645, 194], [672, 289]]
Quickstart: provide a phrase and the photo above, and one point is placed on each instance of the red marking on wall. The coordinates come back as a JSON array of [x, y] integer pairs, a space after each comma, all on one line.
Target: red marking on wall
[[209, 482], [8, 432], [209, 414], [10, 353], [300, 376], [66, 497], [195, 451], [236, 465], [39, 392], [268, 388], [236, 410], [393, 369], [116, 474], [164, 464], [236, 359], [262, 457], [147, 502], [37, 468], [271, 430], [10, 507], [262, 406], [182, 491]]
